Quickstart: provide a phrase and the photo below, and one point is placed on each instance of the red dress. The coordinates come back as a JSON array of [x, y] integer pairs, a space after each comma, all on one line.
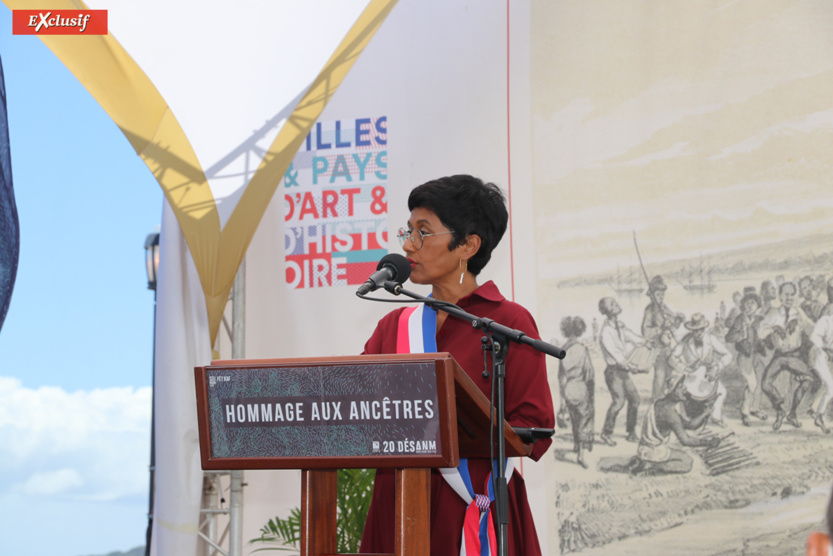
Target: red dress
[[528, 403]]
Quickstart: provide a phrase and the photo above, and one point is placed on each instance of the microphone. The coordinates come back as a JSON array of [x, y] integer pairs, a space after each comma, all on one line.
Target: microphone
[[391, 267]]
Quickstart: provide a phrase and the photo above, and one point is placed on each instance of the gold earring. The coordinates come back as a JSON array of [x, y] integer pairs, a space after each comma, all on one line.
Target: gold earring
[[462, 274]]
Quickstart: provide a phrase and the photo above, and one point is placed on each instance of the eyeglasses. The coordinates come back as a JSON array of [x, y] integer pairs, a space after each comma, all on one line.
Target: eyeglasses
[[416, 236]]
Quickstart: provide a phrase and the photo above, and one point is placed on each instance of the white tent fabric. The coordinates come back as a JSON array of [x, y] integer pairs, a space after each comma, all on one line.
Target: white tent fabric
[[182, 342]]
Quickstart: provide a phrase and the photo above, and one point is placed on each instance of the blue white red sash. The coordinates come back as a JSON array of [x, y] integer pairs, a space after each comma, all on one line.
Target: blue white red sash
[[417, 334], [417, 331], [479, 537]]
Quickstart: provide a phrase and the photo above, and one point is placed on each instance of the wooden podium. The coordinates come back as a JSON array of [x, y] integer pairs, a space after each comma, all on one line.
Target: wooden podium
[[409, 412]]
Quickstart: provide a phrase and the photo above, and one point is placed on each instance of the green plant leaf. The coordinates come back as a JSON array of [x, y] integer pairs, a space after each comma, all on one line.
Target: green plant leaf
[[355, 489], [285, 533], [353, 495]]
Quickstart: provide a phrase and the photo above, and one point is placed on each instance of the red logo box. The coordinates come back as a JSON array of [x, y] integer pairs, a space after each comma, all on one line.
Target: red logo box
[[59, 22]]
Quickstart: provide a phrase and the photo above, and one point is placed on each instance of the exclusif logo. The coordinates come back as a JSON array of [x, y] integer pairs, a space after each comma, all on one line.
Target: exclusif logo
[[59, 22]]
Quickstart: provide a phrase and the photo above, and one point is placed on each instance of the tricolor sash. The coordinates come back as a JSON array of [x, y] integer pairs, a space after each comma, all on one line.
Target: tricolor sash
[[417, 334], [479, 537], [417, 331]]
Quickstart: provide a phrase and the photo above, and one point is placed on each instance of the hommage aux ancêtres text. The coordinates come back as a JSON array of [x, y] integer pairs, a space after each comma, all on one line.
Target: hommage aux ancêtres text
[[264, 412]]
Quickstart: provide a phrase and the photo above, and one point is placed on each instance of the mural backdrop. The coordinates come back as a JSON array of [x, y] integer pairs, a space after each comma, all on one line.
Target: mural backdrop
[[683, 209]]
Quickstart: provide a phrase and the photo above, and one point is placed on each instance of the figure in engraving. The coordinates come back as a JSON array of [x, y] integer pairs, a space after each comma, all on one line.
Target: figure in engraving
[[617, 342], [702, 358], [659, 323], [744, 336], [786, 329], [576, 381], [665, 416]]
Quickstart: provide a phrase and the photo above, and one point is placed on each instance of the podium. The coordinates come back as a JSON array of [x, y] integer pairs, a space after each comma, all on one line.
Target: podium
[[409, 412]]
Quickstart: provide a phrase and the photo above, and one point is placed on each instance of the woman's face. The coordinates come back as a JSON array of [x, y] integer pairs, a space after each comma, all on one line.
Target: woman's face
[[433, 264]]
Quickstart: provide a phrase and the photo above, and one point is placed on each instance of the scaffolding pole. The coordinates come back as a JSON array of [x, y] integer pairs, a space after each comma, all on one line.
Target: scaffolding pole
[[212, 505], [238, 351]]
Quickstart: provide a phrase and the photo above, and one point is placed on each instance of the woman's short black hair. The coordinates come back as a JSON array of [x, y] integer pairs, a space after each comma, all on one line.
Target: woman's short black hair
[[467, 206], [573, 327]]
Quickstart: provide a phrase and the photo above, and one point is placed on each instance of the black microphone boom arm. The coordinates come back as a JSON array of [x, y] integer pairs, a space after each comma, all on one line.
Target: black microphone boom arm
[[480, 323]]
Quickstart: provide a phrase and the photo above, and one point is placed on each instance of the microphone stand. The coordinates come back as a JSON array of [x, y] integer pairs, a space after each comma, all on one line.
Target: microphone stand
[[500, 349]]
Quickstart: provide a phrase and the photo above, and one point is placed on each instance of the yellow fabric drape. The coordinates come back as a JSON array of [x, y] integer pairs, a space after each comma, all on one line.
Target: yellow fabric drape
[[135, 105]]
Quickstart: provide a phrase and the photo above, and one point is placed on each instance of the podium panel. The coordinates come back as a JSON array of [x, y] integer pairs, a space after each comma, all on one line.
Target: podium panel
[[362, 411]]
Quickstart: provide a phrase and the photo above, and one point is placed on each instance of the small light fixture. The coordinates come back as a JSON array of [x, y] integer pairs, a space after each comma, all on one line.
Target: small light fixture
[[152, 258]]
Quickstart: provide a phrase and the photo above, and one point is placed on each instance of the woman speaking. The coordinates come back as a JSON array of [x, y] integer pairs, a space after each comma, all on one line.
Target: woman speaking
[[455, 223]]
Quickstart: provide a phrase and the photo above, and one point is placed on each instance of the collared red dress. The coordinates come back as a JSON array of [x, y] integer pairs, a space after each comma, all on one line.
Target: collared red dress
[[528, 402]]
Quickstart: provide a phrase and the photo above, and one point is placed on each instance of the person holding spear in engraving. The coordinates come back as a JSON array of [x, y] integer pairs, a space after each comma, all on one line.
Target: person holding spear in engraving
[[659, 323]]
